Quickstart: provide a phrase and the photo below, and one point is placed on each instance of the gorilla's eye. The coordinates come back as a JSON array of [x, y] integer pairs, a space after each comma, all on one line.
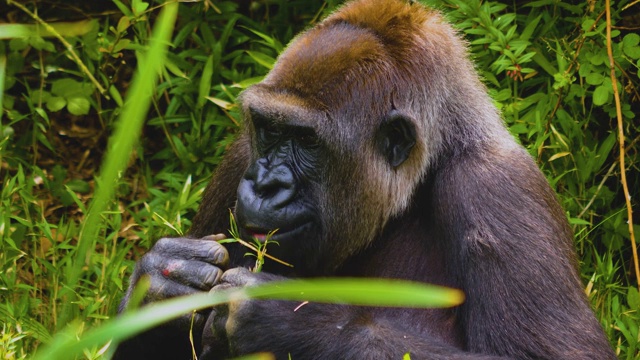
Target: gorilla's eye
[[307, 138], [269, 135]]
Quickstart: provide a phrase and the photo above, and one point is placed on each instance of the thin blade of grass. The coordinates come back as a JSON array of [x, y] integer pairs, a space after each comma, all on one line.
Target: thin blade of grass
[[67, 29], [370, 292], [359, 291], [127, 132]]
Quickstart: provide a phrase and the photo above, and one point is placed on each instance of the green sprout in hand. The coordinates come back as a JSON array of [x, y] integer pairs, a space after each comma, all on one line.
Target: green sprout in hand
[[258, 248]]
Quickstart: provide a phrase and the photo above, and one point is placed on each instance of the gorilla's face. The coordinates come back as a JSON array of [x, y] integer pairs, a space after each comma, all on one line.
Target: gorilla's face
[[312, 193], [279, 190]]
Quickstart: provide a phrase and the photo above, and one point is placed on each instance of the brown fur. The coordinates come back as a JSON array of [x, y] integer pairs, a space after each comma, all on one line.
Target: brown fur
[[467, 209]]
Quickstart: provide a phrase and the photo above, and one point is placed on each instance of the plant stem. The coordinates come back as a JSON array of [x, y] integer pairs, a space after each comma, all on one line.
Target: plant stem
[[623, 171]]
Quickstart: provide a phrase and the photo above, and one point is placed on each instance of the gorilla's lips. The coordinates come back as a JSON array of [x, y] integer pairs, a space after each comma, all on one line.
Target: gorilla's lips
[[250, 232], [278, 235], [262, 237]]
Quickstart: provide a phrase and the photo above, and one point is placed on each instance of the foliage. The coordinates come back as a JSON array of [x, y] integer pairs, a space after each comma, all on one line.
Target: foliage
[[544, 62]]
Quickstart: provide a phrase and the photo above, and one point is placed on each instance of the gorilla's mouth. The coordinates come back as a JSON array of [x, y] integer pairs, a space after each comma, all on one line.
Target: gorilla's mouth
[[278, 235]]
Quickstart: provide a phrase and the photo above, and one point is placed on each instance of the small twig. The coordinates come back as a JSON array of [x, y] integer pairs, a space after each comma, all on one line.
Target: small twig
[[593, 198], [625, 28], [623, 173], [250, 246], [604, 179], [194, 354], [301, 305], [630, 5], [66, 44]]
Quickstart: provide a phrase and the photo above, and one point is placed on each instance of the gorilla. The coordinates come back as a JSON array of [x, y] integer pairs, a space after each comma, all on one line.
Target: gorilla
[[374, 149]]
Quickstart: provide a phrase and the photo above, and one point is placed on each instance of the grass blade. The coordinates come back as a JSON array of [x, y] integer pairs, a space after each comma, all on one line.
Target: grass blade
[[127, 132], [370, 292]]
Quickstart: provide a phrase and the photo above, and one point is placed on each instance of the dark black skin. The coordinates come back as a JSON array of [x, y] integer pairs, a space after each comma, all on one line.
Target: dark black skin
[[335, 136]]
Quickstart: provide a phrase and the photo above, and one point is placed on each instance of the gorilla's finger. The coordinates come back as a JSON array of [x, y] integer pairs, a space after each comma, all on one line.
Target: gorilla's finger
[[215, 237], [162, 288], [214, 336], [221, 287], [196, 274], [192, 249], [239, 277]]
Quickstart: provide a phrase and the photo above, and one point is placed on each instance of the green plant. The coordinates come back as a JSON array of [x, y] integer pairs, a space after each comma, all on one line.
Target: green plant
[[258, 248]]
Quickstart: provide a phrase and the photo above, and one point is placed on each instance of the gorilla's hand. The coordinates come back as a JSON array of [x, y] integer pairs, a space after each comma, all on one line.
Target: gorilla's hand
[[175, 267], [180, 266], [219, 336]]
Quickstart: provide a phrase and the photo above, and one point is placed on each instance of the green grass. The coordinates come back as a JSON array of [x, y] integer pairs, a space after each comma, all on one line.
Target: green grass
[[67, 245]]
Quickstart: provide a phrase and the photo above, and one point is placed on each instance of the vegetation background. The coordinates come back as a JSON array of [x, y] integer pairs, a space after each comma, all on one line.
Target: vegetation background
[[66, 66]]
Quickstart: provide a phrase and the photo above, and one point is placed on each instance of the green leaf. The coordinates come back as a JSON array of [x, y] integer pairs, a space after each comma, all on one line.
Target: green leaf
[[529, 29], [543, 62], [633, 298], [139, 7], [247, 82], [604, 149], [79, 185], [262, 59], [630, 45], [115, 95], [121, 45], [12, 31], [37, 96], [560, 57], [123, 24], [66, 87], [205, 82], [181, 150], [66, 29], [268, 40], [122, 7], [41, 44], [78, 105], [576, 221], [56, 103], [16, 44], [222, 103], [539, 3], [600, 95], [587, 24], [594, 79], [598, 58]]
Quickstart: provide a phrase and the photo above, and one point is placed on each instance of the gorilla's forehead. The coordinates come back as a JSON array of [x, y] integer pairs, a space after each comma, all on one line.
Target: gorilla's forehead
[[281, 107], [328, 65]]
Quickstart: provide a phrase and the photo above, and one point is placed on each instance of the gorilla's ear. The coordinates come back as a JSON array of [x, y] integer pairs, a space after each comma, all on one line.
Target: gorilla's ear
[[395, 138]]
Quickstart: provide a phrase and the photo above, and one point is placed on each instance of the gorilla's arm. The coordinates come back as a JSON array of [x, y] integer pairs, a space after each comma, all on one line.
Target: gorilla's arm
[[510, 249], [310, 330]]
